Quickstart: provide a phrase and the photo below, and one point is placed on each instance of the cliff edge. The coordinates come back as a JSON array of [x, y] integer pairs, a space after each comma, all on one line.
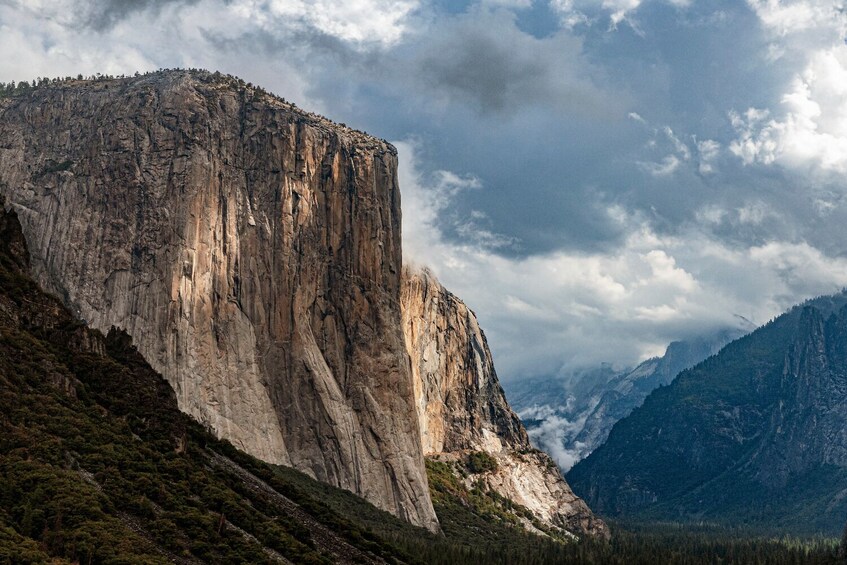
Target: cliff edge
[[251, 249], [464, 417]]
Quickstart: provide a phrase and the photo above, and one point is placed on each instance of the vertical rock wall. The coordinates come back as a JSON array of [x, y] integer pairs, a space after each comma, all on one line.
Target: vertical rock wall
[[462, 408], [252, 250]]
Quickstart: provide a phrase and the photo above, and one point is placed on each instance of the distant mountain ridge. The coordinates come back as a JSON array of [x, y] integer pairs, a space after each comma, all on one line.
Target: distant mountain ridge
[[755, 435], [571, 417]]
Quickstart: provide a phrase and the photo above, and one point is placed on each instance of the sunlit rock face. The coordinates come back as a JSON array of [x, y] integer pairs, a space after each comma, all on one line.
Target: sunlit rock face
[[251, 249], [459, 400], [462, 409]]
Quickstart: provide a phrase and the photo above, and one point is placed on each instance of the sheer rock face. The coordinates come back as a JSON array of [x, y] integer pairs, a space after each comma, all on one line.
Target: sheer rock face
[[251, 250], [462, 409], [460, 403]]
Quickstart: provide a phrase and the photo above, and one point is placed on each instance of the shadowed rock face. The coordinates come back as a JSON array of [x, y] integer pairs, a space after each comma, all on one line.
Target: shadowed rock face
[[251, 250], [462, 409], [756, 434]]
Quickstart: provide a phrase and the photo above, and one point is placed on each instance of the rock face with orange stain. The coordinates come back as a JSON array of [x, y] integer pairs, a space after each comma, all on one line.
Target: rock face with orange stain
[[462, 408], [252, 251]]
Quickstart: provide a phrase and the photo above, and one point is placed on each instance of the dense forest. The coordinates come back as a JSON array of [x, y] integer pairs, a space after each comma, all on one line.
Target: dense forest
[[97, 465]]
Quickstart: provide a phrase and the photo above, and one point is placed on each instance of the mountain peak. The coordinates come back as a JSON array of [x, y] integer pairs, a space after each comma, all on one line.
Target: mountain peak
[[759, 425]]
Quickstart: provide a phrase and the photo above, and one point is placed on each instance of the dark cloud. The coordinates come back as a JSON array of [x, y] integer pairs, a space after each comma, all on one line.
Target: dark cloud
[[607, 212], [103, 14], [484, 61], [490, 75], [524, 114]]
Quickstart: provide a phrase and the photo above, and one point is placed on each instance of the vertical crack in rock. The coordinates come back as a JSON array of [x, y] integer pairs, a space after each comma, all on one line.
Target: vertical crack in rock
[[251, 249]]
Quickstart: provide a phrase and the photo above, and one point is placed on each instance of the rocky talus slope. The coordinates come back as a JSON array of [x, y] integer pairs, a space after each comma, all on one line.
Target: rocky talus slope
[[464, 417], [252, 251], [755, 435]]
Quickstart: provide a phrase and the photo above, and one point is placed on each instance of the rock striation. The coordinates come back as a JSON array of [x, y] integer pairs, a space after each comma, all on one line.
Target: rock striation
[[251, 250], [463, 411]]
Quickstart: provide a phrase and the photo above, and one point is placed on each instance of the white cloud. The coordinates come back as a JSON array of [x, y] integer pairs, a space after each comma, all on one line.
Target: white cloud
[[807, 132], [711, 214], [680, 147], [507, 3], [568, 309], [811, 133], [662, 169], [792, 17], [551, 433], [664, 139], [754, 213], [579, 12], [52, 46], [55, 38], [637, 117], [359, 21], [707, 151]]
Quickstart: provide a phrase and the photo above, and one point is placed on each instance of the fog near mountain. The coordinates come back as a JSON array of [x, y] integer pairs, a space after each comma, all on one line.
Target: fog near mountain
[[570, 416], [755, 435]]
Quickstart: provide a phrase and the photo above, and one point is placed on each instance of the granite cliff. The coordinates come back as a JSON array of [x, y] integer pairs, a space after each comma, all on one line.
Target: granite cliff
[[252, 251], [98, 465], [463, 413]]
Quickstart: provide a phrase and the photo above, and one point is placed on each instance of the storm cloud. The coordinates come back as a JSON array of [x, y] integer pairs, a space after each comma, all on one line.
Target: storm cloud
[[595, 178]]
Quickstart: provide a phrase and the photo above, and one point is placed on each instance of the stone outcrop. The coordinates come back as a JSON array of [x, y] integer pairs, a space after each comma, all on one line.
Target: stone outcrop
[[462, 409], [252, 250]]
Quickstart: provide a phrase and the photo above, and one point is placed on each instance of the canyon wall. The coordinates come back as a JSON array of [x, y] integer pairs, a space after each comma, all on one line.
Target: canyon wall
[[251, 249]]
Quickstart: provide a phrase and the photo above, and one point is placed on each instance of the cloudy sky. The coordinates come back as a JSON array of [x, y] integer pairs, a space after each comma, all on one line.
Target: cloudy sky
[[594, 177]]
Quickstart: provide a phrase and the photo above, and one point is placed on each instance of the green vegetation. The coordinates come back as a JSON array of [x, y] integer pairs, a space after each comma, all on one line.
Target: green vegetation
[[481, 462], [97, 465], [738, 440], [95, 478], [495, 519]]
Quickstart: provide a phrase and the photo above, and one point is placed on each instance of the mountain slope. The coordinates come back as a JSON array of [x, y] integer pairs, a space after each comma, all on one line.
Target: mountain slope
[[97, 464], [466, 424], [756, 434], [251, 250], [570, 418]]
